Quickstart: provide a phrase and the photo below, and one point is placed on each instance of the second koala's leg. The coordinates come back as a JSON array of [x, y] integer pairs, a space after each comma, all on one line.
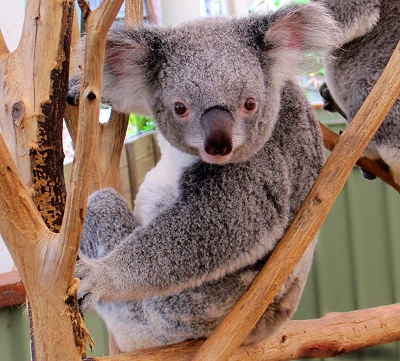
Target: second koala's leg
[[108, 221]]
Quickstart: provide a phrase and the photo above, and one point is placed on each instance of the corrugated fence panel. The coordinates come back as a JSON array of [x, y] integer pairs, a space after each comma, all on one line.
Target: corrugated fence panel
[[356, 261], [15, 338], [14, 335]]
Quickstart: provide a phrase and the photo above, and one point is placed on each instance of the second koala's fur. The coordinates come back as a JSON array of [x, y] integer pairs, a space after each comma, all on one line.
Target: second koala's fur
[[369, 33], [240, 150]]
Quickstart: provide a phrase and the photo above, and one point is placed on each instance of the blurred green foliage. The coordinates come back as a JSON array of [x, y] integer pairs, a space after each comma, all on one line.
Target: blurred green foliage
[[139, 124]]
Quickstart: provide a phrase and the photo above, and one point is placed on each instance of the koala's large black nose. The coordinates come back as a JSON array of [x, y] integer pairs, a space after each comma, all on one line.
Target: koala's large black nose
[[217, 124]]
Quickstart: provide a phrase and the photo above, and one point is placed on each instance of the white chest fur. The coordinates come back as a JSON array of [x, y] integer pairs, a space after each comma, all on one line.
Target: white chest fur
[[161, 185]]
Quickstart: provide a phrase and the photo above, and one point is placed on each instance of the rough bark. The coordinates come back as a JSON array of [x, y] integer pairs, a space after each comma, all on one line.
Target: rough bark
[[32, 118]]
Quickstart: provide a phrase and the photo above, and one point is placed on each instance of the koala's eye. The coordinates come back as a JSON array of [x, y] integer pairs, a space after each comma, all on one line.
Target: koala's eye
[[179, 109], [250, 104]]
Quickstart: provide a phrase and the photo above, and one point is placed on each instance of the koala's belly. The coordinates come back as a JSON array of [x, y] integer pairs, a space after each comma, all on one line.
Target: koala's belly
[[192, 314]]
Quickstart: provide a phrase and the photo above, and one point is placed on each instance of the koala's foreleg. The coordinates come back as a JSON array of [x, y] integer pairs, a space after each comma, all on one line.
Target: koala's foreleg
[[107, 223]]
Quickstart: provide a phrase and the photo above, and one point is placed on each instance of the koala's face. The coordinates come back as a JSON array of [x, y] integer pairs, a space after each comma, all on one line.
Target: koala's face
[[214, 99], [213, 85]]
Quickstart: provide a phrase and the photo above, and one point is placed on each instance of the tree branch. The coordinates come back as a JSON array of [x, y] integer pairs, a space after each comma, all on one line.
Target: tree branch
[[335, 334], [97, 24], [19, 218], [85, 8], [3, 45], [133, 12], [245, 314], [330, 140]]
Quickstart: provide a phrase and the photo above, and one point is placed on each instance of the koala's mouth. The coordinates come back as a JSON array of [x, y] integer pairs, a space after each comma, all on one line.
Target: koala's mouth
[[215, 159]]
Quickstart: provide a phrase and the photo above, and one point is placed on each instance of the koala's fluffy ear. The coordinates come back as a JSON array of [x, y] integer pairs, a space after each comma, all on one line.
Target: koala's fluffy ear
[[295, 32], [127, 73]]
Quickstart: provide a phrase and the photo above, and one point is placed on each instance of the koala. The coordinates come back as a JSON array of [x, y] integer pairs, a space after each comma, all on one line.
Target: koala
[[369, 32], [240, 149]]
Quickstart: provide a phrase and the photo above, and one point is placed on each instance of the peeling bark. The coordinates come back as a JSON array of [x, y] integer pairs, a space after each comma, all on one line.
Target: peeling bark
[[47, 157]]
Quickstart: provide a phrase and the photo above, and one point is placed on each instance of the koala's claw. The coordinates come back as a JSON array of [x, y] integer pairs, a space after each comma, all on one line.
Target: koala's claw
[[87, 296], [87, 302]]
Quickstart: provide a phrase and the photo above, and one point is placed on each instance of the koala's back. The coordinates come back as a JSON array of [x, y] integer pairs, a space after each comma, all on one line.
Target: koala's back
[[285, 168], [354, 68]]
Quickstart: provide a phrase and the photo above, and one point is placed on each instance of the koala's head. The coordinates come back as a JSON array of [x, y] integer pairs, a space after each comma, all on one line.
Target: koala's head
[[213, 85]]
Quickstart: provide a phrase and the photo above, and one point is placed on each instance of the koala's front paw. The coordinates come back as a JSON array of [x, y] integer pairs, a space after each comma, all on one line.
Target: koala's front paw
[[86, 271], [329, 103], [74, 89]]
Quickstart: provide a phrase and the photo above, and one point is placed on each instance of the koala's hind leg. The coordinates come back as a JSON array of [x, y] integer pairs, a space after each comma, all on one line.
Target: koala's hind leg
[[108, 221], [277, 314], [285, 302]]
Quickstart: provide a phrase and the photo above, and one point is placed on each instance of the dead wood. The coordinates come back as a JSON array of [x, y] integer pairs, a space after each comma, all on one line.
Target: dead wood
[[133, 12], [111, 135]]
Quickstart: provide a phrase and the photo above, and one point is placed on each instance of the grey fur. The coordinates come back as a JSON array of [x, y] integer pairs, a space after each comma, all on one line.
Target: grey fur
[[370, 31], [207, 222]]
